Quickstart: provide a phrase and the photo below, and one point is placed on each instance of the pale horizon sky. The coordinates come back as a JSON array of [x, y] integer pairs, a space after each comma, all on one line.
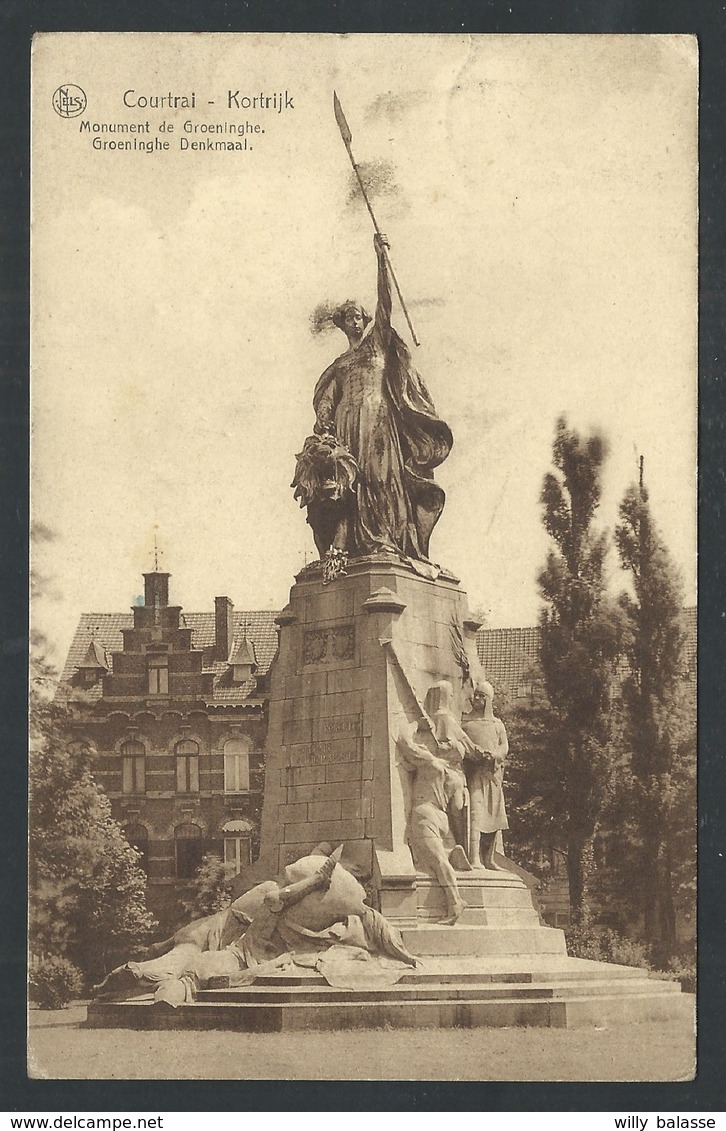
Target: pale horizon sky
[[540, 197]]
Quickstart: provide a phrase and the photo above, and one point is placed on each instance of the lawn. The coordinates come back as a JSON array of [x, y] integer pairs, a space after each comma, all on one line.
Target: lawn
[[60, 1048]]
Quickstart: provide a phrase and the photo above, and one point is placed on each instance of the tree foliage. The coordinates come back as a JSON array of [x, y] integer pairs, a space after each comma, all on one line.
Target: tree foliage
[[210, 890], [660, 723], [87, 890], [535, 781], [581, 629]]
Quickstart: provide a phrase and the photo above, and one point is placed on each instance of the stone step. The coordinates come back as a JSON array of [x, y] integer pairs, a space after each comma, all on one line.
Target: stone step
[[486, 916], [462, 939], [479, 877], [431, 896], [322, 993], [432, 973], [581, 1011], [325, 994]]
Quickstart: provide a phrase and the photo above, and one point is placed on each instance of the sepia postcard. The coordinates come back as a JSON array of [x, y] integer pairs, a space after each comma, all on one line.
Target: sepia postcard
[[364, 407]]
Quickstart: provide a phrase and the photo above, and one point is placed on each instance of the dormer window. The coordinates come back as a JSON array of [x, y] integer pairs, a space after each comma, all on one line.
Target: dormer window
[[93, 666], [242, 660]]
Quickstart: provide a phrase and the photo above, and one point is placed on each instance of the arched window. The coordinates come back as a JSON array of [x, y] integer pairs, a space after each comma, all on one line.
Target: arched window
[[138, 837], [237, 765], [187, 766], [189, 850], [133, 777]]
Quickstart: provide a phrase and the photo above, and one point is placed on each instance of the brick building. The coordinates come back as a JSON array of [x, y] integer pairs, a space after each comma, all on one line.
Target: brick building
[[510, 656], [172, 707]]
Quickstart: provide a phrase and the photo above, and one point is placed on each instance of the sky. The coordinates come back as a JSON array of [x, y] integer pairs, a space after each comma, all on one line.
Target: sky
[[540, 198]]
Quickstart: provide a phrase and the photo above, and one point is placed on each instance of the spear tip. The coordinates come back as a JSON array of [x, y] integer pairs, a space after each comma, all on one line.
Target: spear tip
[[342, 123]]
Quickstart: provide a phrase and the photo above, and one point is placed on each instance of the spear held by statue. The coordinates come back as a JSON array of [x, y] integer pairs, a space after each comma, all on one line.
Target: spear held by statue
[[347, 140]]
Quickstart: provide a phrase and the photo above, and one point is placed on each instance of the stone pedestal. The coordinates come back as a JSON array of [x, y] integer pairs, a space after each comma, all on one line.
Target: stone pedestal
[[356, 660], [337, 699]]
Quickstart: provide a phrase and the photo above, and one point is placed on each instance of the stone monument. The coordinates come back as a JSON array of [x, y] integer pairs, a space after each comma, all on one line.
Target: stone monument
[[369, 763], [377, 658]]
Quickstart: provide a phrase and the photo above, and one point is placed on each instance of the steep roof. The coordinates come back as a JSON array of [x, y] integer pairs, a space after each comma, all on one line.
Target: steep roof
[[95, 657], [508, 655], [106, 630], [242, 652]]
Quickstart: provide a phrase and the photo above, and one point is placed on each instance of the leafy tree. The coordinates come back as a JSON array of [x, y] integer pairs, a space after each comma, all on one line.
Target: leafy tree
[[87, 890], [211, 888], [581, 631], [534, 781], [660, 722]]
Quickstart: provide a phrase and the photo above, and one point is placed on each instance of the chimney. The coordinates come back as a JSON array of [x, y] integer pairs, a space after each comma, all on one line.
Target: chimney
[[223, 627], [156, 590]]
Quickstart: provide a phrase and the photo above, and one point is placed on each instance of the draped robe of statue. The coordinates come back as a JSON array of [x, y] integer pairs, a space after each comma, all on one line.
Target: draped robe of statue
[[377, 405]]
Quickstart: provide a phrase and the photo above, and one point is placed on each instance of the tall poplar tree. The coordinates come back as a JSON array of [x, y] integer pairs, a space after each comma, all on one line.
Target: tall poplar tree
[[581, 630], [659, 714]]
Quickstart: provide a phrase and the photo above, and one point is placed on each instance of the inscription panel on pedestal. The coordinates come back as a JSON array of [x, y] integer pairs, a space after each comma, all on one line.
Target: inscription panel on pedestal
[[336, 726], [325, 751], [328, 645]]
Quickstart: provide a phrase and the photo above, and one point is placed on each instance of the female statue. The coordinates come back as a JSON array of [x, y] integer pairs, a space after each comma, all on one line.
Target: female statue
[[372, 404]]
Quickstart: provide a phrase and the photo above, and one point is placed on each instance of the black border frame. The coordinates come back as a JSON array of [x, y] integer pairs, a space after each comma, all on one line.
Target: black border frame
[[18, 21]]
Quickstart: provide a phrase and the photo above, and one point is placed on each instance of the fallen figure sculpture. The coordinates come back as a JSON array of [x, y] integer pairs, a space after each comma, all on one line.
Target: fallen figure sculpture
[[315, 916]]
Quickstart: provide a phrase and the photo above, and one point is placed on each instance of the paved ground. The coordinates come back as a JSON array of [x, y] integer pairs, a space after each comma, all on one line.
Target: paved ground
[[60, 1048]]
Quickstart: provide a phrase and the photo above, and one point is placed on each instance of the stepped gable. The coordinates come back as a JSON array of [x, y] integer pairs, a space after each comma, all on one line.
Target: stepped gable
[[106, 630], [506, 654]]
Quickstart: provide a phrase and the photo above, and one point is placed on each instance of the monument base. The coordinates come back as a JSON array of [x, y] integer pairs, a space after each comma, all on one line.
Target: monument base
[[355, 663], [446, 992]]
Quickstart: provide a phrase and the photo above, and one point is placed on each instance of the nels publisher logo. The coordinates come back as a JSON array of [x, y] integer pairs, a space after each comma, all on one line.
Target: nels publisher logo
[[69, 100]]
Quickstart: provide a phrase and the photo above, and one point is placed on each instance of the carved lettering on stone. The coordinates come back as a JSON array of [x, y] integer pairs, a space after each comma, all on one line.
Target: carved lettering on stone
[[334, 750], [340, 725]]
